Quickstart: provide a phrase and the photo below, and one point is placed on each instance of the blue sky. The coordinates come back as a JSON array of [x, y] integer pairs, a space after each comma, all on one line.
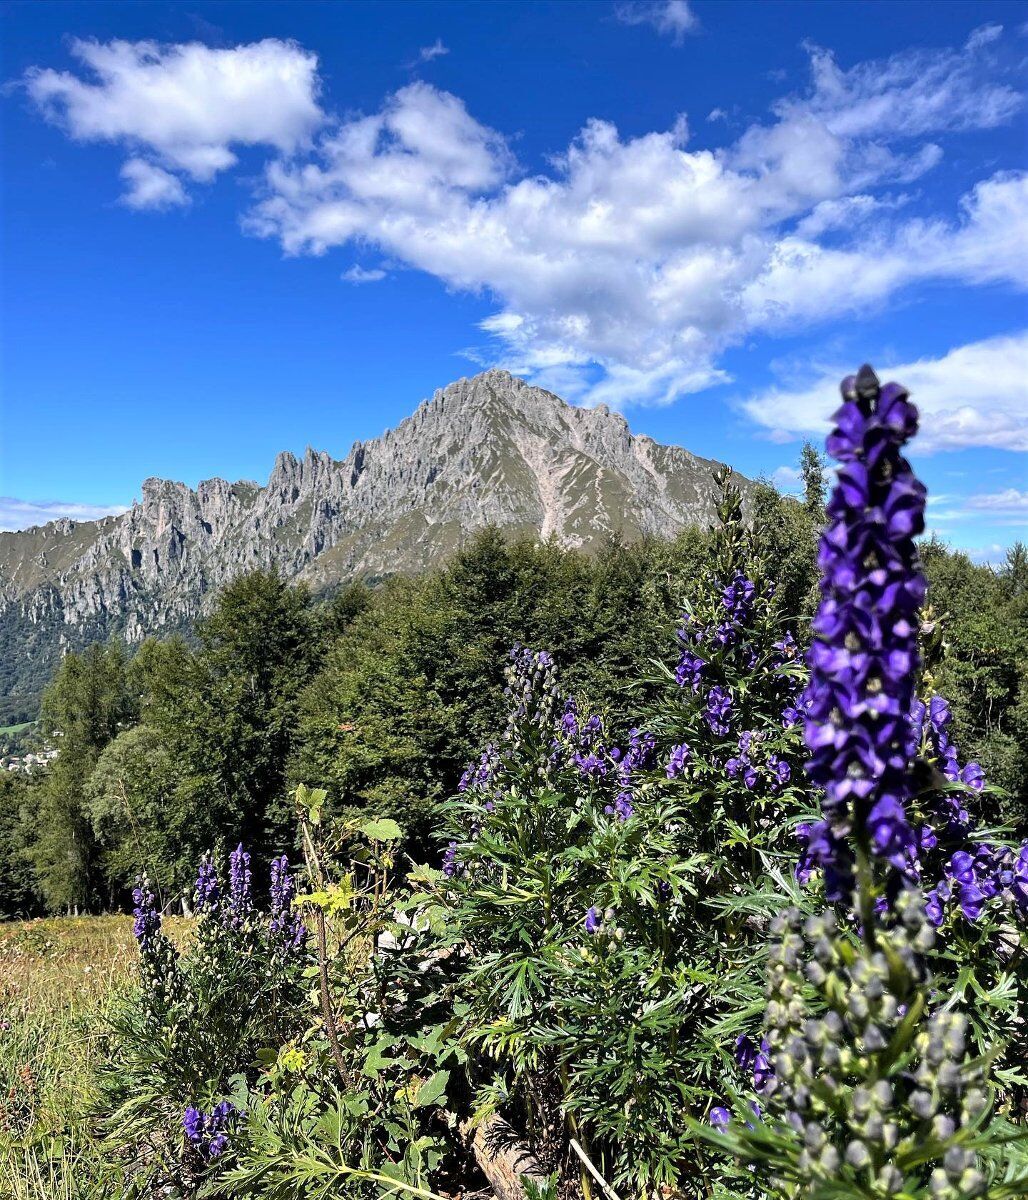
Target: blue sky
[[233, 229]]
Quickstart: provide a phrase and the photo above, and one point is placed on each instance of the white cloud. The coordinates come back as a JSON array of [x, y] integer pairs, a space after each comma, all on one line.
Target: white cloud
[[1010, 500], [787, 479], [23, 514], [976, 395], [670, 18], [983, 36], [359, 274], [630, 264], [428, 53], [184, 106], [988, 556], [633, 263], [150, 186]]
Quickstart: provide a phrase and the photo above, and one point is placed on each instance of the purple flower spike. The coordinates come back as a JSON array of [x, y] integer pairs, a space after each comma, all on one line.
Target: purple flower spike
[[239, 899], [864, 658], [593, 920], [146, 922], [206, 884], [193, 1123]]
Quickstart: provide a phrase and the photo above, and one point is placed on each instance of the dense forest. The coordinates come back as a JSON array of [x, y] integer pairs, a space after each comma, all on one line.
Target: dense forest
[[382, 695]]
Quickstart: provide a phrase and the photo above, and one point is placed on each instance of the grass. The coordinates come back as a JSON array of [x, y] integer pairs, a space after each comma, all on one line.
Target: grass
[[5, 729], [58, 978]]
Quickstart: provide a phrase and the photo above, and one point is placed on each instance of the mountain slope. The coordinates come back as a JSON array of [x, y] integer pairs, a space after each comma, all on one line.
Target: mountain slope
[[486, 450]]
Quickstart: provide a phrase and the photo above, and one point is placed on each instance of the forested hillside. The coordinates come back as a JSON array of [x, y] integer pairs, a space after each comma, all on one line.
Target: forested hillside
[[383, 695]]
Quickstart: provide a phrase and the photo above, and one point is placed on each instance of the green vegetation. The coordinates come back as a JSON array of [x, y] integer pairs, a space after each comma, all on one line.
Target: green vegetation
[[382, 695], [559, 953]]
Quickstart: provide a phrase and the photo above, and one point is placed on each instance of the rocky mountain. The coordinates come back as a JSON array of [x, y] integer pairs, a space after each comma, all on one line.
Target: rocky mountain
[[486, 450]]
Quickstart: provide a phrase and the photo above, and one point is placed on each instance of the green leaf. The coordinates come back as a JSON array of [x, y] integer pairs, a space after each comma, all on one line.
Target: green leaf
[[382, 830], [432, 1089]]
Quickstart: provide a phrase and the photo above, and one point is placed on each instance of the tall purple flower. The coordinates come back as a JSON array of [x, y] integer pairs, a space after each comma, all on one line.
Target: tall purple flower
[[677, 760], [864, 657], [146, 923], [206, 884], [450, 863], [284, 924], [208, 1131], [240, 901]]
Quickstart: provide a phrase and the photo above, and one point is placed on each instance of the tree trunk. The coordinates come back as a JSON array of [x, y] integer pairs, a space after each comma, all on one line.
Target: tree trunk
[[503, 1159]]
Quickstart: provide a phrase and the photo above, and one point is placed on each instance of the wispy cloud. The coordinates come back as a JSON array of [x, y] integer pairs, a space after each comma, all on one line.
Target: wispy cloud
[[1010, 500], [428, 53], [150, 186], [787, 479], [23, 514], [670, 18], [359, 274]]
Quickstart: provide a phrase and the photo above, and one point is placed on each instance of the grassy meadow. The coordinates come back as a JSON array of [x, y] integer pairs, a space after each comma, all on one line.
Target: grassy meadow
[[58, 978]]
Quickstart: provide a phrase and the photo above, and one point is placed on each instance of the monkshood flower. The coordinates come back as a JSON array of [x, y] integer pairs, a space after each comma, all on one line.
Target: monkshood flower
[[1019, 879], [689, 670], [206, 884], [641, 749], [478, 776], [720, 1118], [531, 688], [193, 1123], [785, 649], [864, 658], [207, 1132], [450, 860], [737, 597], [719, 705], [591, 764], [677, 760], [240, 901], [146, 923], [755, 1060], [822, 850], [284, 924], [593, 920]]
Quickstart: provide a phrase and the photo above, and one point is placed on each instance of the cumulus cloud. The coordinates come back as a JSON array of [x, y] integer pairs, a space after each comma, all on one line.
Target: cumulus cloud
[[624, 270], [184, 106], [976, 395], [23, 514], [628, 267], [670, 18], [150, 186]]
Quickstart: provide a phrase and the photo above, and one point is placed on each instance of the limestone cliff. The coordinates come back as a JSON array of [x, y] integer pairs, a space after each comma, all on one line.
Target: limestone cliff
[[486, 450]]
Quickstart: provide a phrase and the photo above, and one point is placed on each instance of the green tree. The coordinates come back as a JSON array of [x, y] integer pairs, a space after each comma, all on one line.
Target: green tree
[[84, 708], [129, 801], [812, 471], [224, 715], [18, 894]]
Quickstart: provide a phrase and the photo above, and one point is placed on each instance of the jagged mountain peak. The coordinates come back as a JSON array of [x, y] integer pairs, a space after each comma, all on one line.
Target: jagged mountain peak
[[486, 449]]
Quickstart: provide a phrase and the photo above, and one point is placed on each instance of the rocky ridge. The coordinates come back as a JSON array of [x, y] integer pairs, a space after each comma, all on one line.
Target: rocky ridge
[[489, 450]]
